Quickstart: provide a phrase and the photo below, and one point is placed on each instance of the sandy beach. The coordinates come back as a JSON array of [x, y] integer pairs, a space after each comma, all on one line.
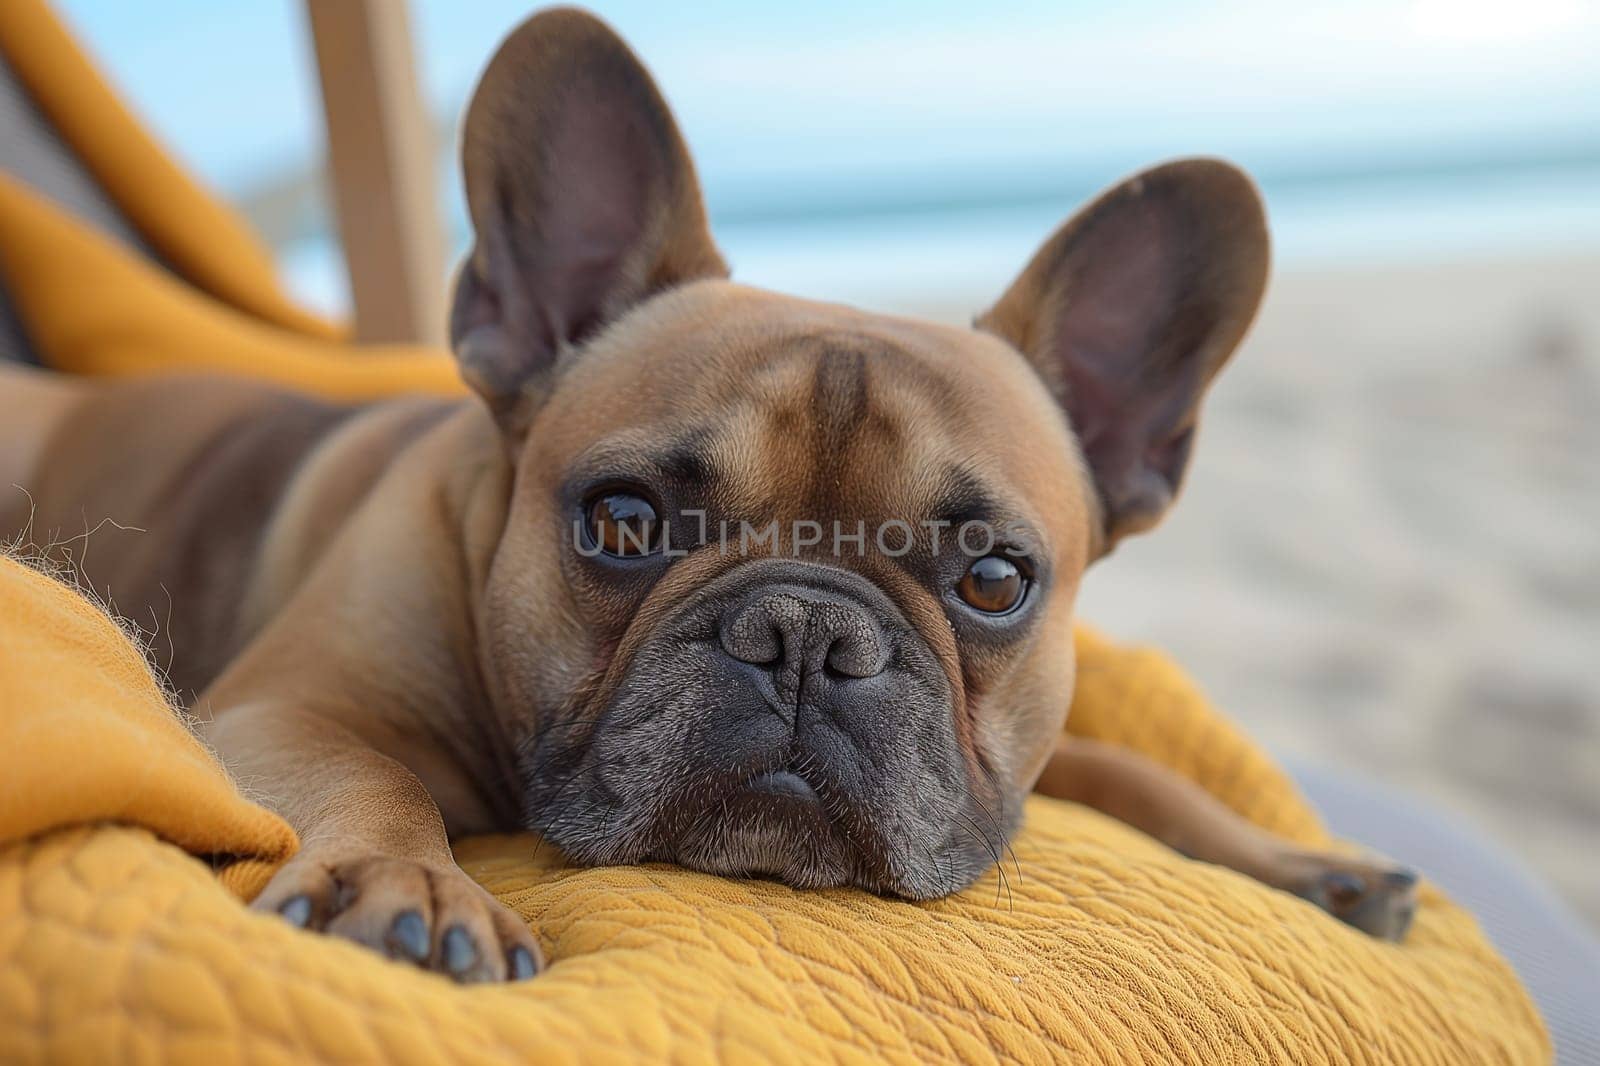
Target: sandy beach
[[1387, 557]]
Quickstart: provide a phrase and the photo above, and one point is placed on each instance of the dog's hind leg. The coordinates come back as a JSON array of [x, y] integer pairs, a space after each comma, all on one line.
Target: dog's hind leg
[[1374, 895]]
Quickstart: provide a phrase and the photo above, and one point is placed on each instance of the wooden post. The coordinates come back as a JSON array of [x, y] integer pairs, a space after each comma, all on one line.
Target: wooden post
[[381, 157]]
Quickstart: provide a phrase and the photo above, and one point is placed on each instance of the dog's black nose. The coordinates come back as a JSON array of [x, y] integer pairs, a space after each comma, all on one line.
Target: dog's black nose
[[799, 633]]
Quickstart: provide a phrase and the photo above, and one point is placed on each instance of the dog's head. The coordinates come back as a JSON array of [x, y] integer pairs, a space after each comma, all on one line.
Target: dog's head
[[786, 588]]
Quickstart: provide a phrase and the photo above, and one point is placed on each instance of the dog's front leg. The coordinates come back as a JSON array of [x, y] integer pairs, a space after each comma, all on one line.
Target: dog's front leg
[[1373, 895], [375, 864]]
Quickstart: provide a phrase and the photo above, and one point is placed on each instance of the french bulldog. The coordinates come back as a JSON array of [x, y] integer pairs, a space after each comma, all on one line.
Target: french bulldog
[[700, 573]]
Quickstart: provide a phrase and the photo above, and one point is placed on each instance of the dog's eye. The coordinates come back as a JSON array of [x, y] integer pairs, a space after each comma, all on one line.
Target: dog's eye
[[624, 525], [993, 585]]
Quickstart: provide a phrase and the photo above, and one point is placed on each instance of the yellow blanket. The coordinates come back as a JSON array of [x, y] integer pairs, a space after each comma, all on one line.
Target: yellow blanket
[[1098, 946]]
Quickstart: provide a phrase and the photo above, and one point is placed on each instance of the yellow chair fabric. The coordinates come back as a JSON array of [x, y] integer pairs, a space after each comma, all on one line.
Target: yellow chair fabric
[[198, 235]]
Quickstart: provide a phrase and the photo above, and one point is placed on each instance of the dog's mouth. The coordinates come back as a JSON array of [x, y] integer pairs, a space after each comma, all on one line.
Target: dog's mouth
[[794, 819], [786, 817], [785, 786], [789, 796], [785, 823], [811, 811]]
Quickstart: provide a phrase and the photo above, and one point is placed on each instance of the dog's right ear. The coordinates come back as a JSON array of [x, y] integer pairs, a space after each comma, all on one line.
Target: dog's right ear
[[1129, 311], [583, 199]]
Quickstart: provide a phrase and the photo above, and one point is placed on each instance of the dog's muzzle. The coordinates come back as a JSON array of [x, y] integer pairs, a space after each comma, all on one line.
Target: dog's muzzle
[[785, 720]]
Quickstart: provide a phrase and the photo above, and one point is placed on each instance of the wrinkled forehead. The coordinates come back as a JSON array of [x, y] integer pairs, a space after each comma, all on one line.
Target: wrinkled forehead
[[803, 409]]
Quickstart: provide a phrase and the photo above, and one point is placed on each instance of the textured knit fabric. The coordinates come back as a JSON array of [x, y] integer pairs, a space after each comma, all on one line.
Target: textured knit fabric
[[1099, 945]]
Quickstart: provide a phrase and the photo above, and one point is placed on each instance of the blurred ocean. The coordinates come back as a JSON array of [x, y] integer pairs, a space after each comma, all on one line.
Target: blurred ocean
[[896, 153], [971, 246]]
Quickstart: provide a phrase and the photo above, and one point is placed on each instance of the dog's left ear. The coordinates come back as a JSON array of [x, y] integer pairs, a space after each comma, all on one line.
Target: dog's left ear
[[583, 199], [1128, 312]]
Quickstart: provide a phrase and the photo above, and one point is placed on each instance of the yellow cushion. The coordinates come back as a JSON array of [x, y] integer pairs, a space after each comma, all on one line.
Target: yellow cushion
[[1099, 945]]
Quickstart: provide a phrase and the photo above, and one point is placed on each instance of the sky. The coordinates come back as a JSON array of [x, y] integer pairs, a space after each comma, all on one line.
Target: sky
[[836, 107]]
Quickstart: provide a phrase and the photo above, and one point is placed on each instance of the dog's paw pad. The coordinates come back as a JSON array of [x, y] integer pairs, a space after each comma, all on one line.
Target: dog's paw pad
[[1373, 896], [296, 910], [435, 918], [408, 936]]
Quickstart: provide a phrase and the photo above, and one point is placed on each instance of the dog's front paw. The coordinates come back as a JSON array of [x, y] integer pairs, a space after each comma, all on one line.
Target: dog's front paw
[[1374, 895], [437, 918]]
